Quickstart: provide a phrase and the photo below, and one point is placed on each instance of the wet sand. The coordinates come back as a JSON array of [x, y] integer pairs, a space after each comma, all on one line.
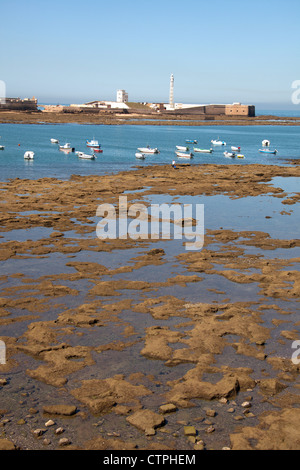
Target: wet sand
[[141, 344]]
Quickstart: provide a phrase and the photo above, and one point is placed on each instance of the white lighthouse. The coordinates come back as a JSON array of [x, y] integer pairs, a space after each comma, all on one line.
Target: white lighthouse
[[171, 97]]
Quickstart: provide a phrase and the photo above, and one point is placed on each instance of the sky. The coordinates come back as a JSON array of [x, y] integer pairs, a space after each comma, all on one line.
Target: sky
[[71, 51]]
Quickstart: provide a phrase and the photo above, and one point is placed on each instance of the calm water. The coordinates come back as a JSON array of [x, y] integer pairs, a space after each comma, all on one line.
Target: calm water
[[119, 144]]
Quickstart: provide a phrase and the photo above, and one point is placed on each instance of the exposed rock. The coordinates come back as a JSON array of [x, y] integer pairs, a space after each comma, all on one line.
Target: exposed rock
[[5, 444], [168, 408], [276, 431], [146, 420], [102, 395], [66, 410], [189, 431], [271, 386]]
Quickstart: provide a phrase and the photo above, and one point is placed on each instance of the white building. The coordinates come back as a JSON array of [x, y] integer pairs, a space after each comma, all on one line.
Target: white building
[[122, 96]]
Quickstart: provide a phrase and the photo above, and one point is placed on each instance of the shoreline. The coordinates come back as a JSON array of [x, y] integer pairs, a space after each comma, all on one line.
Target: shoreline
[[25, 117], [120, 361]]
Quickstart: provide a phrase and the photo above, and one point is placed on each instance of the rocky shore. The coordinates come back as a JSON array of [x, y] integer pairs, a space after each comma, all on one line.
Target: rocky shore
[[131, 344], [112, 118]]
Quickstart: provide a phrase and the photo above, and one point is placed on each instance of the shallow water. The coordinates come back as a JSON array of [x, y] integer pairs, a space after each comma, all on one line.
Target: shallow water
[[119, 144]]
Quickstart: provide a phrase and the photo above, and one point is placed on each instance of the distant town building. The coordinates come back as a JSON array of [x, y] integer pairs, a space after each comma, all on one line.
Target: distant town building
[[122, 96], [98, 105], [27, 104], [238, 109]]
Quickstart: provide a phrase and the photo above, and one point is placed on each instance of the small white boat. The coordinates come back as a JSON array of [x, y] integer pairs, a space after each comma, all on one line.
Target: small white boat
[[184, 155], [93, 143], [229, 154], [218, 142], [66, 147], [85, 156], [140, 155], [203, 150], [29, 155], [236, 149], [54, 141], [265, 143], [148, 150], [182, 149], [2, 147]]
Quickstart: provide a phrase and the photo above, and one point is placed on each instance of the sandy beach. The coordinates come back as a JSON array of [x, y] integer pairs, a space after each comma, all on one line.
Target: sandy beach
[[100, 357]]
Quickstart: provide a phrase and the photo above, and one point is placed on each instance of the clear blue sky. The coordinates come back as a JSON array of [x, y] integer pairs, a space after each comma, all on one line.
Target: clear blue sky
[[219, 51]]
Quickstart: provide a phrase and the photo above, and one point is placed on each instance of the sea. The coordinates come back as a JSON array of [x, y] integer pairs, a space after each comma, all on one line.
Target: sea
[[119, 143]]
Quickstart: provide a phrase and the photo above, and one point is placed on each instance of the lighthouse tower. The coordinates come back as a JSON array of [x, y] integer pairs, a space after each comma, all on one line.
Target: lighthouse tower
[[171, 97]]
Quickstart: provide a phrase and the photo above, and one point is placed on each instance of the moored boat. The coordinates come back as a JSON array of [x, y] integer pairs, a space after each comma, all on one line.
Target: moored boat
[[229, 154], [93, 143], [85, 156], [148, 150], [239, 155], [203, 150], [140, 155], [98, 150], [66, 147], [218, 142], [54, 141], [268, 151], [182, 149], [189, 141], [29, 155], [235, 149], [265, 143], [184, 155], [2, 147]]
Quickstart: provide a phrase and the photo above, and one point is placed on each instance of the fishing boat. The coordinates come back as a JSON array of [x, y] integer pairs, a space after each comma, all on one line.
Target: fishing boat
[[29, 155], [189, 141], [203, 150], [268, 151], [218, 142], [148, 150], [86, 156], [235, 149], [66, 147], [54, 141], [98, 150], [93, 143], [182, 149], [229, 154], [140, 155], [184, 155]]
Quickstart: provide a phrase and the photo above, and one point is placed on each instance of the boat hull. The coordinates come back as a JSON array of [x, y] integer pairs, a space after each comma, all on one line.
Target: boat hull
[[203, 150], [147, 150], [268, 151], [184, 155]]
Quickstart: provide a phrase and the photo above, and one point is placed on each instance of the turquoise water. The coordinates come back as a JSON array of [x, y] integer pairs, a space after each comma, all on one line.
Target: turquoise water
[[120, 142]]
